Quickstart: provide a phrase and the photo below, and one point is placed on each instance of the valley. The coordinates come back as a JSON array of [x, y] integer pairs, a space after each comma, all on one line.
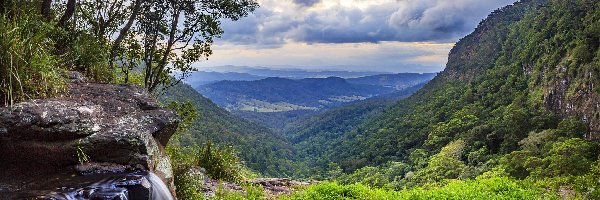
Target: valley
[[496, 117], [274, 101]]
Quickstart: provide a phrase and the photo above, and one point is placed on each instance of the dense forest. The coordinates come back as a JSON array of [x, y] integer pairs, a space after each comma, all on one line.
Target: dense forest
[[515, 100]]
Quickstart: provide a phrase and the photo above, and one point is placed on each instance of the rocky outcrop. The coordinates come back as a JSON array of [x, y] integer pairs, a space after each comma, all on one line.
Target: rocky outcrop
[[114, 127], [272, 187]]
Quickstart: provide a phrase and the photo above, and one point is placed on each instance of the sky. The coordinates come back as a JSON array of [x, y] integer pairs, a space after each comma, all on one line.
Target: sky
[[352, 35]]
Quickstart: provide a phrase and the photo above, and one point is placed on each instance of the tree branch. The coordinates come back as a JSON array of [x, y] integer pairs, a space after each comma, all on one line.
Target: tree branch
[[46, 4], [117, 43], [68, 13]]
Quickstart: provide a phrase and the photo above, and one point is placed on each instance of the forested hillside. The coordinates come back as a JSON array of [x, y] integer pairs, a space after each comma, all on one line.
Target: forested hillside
[[518, 98], [260, 148]]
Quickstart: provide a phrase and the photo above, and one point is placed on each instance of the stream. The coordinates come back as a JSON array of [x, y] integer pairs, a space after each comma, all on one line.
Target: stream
[[115, 186]]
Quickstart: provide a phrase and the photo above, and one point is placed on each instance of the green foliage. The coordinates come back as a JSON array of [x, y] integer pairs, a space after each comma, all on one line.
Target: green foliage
[[82, 157], [187, 111], [261, 149], [492, 188], [252, 192], [189, 187], [187, 184], [333, 190], [571, 157], [219, 163], [86, 54], [389, 175], [445, 165], [551, 158], [28, 67], [222, 163]]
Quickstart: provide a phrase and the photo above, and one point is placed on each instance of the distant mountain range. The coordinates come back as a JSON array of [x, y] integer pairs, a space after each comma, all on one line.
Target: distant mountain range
[[280, 94], [276, 101], [203, 78], [240, 73]]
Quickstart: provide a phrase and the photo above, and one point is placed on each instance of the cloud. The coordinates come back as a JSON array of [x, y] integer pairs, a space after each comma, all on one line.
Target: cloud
[[307, 2], [278, 22], [384, 56], [419, 20]]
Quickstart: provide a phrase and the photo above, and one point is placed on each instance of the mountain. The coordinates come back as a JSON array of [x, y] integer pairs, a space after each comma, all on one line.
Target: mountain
[[274, 102], [397, 81], [262, 149], [290, 73], [280, 94], [518, 97], [202, 77]]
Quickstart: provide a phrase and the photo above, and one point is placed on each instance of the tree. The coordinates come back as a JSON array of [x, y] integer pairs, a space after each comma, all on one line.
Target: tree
[[174, 34], [46, 4], [69, 11], [444, 165], [155, 38]]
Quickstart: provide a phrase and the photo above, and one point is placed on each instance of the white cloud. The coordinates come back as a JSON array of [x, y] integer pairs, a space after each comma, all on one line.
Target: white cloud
[[383, 34]]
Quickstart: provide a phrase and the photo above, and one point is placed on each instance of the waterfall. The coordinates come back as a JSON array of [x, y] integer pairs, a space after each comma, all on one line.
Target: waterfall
[[160, 191], [112, 186]]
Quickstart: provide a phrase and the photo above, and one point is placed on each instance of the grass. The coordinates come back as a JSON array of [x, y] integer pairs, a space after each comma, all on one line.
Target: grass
[[28, 69]]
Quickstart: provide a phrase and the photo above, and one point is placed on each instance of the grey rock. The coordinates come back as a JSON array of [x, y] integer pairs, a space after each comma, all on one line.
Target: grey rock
[[122, 125]]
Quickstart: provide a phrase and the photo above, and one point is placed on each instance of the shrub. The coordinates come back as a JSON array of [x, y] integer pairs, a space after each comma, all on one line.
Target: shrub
[[28, 69], [492, 188], [384, 176], [88, 55], [444, 165], [187, 185], [571, 157], [252, 192], [222, 163], [334, 191]]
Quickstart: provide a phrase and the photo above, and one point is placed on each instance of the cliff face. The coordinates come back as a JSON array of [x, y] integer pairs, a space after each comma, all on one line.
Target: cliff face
[[111, 128], [477, 52], [550, 45]]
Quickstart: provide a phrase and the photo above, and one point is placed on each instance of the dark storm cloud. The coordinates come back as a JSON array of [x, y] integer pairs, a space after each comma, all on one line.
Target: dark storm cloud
[[307, 2], [401, 20]]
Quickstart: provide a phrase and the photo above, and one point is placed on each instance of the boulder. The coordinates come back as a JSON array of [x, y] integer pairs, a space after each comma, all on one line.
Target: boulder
[[113, 125]]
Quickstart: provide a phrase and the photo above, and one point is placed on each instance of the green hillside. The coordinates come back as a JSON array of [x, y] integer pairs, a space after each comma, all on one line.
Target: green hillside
[[260, 148], [515, 99]]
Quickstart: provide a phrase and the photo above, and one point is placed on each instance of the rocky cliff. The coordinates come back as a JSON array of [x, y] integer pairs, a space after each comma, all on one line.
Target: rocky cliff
[[92, 129]]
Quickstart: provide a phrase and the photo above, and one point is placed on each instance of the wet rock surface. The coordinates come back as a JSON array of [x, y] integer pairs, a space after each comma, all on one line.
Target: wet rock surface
[[120, 128], [279, 186], [272, 187]]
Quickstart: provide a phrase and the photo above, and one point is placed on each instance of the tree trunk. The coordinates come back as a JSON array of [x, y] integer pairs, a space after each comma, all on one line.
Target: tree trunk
[[68, 13], [163, 61], [117, 43], [46, 4], [2, 7]]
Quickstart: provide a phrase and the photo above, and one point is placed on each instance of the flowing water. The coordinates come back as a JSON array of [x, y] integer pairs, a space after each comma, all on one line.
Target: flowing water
[[115, 186], [160, 191]]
